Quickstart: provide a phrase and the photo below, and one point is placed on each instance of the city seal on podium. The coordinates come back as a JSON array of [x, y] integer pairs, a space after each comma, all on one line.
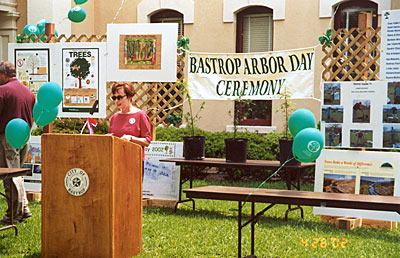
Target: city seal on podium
[[76, 182]]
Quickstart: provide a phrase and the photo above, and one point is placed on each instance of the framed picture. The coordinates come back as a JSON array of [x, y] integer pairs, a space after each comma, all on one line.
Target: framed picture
[[142, 52]]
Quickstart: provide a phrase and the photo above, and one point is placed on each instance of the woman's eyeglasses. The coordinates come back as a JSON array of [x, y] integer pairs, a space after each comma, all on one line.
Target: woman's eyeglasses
[[114, 98]]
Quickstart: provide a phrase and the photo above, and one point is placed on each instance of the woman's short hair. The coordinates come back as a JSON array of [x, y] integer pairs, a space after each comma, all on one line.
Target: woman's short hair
[[127, 86], [7, 68]]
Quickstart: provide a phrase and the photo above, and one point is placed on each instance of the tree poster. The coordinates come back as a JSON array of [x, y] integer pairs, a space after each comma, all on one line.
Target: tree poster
[[80, 78], [32, 67]]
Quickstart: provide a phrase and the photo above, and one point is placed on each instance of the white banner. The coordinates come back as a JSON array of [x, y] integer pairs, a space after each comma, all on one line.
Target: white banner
[[257, 76]]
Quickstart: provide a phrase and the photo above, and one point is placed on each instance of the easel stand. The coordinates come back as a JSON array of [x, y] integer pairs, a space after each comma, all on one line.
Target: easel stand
[[105, 221]]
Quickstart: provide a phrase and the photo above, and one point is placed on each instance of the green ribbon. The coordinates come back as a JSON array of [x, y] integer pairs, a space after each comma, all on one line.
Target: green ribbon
[[326, 39], [20, 38], [183, 43]]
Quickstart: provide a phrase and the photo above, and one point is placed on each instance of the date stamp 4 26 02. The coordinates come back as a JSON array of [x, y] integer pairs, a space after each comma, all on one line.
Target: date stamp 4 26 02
[[322, 242]]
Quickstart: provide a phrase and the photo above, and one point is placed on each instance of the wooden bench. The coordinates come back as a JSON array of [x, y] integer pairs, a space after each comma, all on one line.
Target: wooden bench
[[276, 196]]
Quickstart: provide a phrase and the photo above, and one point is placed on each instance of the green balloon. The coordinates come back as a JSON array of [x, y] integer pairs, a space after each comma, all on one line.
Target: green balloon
[[307, 145], [42, 116], [80, 1], [17, 133], [49, 95], [31, 29], [300, 119], [77, 14]]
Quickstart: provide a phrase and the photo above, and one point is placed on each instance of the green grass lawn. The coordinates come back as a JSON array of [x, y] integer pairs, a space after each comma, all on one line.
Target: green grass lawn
[[211, 231]]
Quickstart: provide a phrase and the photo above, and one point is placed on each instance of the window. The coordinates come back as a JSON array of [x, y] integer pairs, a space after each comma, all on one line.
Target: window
[[169, 16], [356, 14], [254, 34]]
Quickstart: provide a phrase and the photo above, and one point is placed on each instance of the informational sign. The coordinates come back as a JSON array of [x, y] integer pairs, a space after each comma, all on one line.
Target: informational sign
[[142, 52], [257, 76], [361, 114], [32, 66], [161, 179], [390, 45], [83, 79], [80, 79], [358, 172]]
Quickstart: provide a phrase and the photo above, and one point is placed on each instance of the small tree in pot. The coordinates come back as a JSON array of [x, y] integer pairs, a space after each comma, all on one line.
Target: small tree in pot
[[285, 144], [236, 148], [193, 146]]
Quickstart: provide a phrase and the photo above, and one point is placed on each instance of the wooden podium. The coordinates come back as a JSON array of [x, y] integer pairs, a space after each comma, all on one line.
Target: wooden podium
[[104, 221]]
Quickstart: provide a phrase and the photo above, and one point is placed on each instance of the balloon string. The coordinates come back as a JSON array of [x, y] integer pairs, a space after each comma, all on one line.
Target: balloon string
[[258, 187]]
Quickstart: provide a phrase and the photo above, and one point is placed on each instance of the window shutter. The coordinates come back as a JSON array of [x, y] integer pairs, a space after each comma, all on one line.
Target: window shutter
[[257, 33], [172, 20]]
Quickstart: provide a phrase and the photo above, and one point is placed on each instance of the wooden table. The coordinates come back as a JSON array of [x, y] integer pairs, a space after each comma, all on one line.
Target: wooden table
[[292, 172], [7, 173]]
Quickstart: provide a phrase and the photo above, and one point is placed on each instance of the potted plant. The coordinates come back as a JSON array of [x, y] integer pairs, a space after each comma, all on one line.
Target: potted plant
[[193, 146], [236, 148], [285, 143]]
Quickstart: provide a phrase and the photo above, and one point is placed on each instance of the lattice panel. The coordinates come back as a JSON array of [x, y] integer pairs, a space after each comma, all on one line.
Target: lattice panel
[[354, 55], [156, 99]]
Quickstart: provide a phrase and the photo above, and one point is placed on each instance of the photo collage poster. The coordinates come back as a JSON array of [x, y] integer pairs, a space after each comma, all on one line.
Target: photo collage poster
[[358, 172], [32, 67], [361, 114], [80, 74]]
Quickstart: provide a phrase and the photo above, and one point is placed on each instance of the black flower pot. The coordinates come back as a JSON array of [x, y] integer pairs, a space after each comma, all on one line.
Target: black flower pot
[[193, 147], [236, 150], [286, 153]]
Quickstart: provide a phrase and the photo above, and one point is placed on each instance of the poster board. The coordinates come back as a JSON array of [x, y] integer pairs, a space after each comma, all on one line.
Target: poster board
[[390, 45], [142, 52], [358, 172], [161, 179], [33, 181], [33, 63], [81, 77], [361, 114]]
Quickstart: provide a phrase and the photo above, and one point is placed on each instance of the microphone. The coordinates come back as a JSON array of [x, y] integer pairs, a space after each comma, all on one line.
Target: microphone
[[94, 107]]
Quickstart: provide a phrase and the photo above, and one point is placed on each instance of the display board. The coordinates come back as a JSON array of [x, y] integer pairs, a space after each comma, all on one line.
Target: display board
[[361, 114], [390, 45], [358, 172], [78, 67], [161, 179]]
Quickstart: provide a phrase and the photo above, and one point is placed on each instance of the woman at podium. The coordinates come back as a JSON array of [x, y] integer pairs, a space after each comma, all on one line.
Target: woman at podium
[[130, 123]]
